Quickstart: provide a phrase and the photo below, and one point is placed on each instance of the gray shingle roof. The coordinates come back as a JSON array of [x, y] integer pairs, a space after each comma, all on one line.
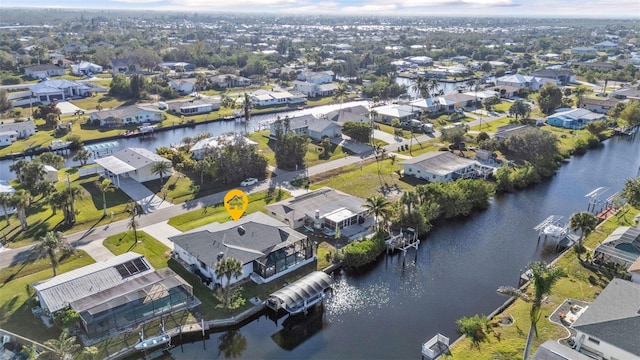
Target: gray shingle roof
[[614, 317], [248, 239], [324, 200], [551, 350]]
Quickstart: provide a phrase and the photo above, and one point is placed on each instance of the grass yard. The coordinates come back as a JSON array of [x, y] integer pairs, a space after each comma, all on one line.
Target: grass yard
[[581, 283], [503, 107], [88, 207], [492, 126], [200, 217], [325, 252], [103, 99], [363, 180], [15, 294], [156, 252]]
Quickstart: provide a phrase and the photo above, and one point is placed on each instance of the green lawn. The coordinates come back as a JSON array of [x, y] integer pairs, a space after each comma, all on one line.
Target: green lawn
[[200, 217], [15, 294], [492, 126], [88, 207], [102, 99], [325, 251], [364, 180], [156, 252], [503, 107], [581, 283]]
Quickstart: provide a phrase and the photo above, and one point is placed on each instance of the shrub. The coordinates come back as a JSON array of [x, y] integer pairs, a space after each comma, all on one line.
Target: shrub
[[359, 253]]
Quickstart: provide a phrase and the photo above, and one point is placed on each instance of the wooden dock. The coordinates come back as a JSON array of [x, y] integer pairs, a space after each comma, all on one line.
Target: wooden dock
[[403, 241]]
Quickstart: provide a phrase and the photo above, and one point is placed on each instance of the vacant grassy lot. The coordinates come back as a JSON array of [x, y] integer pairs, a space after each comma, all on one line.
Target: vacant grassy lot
[[200, 217], [365, 179], [16, 294], [581, 283], [88, 208], [156, 252]]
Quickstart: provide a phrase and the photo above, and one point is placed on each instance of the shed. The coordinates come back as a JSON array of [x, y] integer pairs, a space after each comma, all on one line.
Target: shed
[[51, 174]]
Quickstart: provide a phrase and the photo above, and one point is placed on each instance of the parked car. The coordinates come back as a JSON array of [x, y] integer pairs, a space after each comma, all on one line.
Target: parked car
[[249, 182]]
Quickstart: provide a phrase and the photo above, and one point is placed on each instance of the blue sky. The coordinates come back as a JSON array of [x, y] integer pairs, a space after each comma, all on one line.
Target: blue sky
[[493, 8]]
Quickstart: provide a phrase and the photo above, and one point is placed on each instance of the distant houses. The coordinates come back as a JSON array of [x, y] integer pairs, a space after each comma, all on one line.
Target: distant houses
[[271, 98], [124, 65], [315, 128], [229, 81], [44, 71], [183, 86]]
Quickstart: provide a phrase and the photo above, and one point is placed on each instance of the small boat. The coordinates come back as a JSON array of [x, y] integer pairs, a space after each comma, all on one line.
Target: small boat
[[146, 128], [153, 342], [59, 145]]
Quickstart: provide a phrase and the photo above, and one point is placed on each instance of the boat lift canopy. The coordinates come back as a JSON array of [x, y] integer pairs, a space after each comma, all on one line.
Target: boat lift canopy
[[102, 146], [295, 296]]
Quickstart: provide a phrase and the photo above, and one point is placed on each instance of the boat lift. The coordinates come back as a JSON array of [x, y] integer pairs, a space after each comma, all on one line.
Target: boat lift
[[555, 226], [594, 198]]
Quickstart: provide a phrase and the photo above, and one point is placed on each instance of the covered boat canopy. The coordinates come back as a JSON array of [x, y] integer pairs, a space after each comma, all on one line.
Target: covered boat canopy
[[298, 296]]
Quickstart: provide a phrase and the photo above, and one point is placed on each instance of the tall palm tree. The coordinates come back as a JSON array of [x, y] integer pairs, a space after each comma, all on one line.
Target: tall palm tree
[[433, 86], [584, 221], [17, 168], [5, 201], [21, 200], [409, 199], [161, 168], [379, 206], [52, 243], [134, 210], [420, 85], [105, 186], [340, 93], [543, 278], [62, 348], [226, 269], [247, 105]]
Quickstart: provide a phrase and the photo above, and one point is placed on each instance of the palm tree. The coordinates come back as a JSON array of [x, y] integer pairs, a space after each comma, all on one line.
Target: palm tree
[[433, 85], [61, 348], [105, 186], [21, 199], [52, 243], [420, 86], [340, 93], [584, 221], [226, 269], [133, 224], [161, 168], [17, 168], [378, 205], [83, 156], [543, 278], [409, 198], [5, 201]]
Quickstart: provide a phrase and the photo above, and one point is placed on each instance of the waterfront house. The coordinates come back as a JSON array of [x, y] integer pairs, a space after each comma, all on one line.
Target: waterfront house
[[44, 71], [135, 163], [183, 86], [311, 89], [213, 144], [315, 128], [562, 77], [49, 91], [452, 102], [229, 81], [521, 81], [127, 115], [194, 106], [574, 118], [177, 65], [121, 292], [324, 210], [404, 113], [266, 248], [265, 98], [600, 106], [441, 166], [622, 247], [608, 328], [22, 129]]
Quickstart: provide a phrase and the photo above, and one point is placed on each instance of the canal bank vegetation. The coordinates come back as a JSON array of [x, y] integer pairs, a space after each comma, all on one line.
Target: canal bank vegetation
[[581, 282]]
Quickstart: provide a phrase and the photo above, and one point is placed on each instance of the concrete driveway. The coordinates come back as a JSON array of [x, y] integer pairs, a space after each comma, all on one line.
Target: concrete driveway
[[142, 196], [67, 108]]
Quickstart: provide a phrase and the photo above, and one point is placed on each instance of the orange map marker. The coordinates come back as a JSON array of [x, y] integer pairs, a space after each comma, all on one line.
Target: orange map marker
[[236, 202]]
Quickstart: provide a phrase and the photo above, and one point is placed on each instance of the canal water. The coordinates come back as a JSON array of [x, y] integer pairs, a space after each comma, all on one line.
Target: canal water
[[389, 310]]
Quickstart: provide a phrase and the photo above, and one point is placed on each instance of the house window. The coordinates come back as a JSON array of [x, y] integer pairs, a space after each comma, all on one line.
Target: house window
[[595, 341]]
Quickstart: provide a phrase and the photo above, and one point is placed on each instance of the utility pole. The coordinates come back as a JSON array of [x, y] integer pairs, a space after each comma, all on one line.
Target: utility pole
[[73, 211]]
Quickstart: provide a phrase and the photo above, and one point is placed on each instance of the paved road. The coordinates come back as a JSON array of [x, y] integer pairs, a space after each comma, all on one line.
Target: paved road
[[91, 240]]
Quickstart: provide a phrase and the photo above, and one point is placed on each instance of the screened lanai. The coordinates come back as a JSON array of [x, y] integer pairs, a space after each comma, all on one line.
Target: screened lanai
[[622, 246]]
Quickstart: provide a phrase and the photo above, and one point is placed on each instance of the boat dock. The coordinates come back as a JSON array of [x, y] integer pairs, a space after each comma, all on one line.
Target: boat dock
[[403, 241], [435, 347]]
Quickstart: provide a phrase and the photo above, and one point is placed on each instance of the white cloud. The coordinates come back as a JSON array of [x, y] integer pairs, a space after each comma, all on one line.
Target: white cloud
[[137, 1], [237, 3]]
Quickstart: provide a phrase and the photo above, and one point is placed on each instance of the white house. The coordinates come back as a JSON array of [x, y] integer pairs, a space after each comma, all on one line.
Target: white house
[[520, 81], [8, 137], [404, 113], [266, 248], [311, 89], [315, 128], [183, 86], [44, 71], [441, 166], [135, 163], [127, 115], [50, 174], [601, 106], [322, 77], [205, 146], [6, 188], [49, 91], [194, 106], [324, 210], [228, 81], [271, 98], [23, 129], [609, 326], [321, 128], [85, 68]]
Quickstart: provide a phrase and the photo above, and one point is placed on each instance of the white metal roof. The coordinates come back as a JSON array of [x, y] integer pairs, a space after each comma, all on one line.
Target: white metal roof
[[295, 294], [114, 165], [59, 291]]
